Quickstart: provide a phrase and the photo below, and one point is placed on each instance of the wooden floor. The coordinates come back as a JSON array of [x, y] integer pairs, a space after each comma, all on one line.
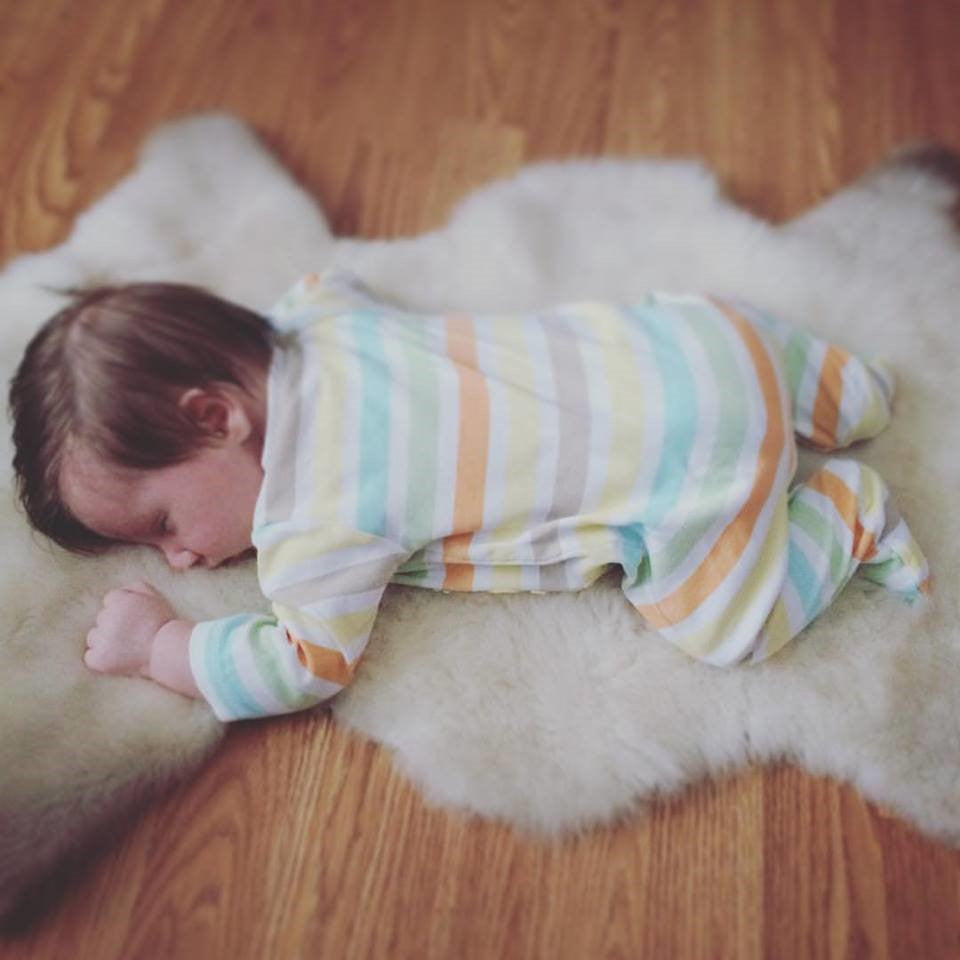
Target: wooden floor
[[298, 840]]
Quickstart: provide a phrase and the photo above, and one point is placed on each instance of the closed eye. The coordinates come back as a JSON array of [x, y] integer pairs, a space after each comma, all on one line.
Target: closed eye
[[162, 525]]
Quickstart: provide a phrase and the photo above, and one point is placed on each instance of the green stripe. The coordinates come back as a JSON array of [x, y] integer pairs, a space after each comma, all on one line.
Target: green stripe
[[424, 430], [795, 357], [265, 644], [822, 532]]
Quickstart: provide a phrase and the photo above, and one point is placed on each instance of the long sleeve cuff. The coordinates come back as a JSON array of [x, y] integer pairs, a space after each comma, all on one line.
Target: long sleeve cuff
[[245, 668]]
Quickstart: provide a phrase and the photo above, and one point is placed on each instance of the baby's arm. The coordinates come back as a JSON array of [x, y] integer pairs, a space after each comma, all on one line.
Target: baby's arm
[[239, 658], [255, 665], [137, 633], [170, 658]]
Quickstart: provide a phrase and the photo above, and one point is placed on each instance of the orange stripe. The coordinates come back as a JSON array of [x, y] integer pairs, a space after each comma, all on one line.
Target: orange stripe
[[458, 576], [474, 440], [729, 547], [322, 662], [826, 405], [845, 502]]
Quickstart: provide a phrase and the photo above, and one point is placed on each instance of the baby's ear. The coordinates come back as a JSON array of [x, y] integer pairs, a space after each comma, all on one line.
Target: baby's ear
[[218, 414]]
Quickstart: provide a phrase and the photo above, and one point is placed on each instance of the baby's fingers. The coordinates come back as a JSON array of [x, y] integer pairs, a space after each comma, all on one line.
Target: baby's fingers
[[103, 656], [93, 655]]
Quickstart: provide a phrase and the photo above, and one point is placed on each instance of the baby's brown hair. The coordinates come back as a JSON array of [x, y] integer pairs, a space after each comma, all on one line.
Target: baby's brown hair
[[108, 371]]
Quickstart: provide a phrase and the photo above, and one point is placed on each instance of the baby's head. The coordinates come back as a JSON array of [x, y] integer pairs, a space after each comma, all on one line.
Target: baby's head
[[138, 416]]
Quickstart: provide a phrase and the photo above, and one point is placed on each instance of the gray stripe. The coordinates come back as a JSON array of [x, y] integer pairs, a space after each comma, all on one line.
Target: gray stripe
[[573, 426], [544, 542], [281, 441], [553, 576]]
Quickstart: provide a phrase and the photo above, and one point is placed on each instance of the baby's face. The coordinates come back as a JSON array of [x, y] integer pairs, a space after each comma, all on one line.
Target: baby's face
[[197, 513]]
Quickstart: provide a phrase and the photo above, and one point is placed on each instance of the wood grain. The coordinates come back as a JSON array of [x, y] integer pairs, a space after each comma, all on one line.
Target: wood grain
[[298, 839]]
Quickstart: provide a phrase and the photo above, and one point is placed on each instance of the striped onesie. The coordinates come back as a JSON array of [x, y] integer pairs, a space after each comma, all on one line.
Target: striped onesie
[[532, 453]]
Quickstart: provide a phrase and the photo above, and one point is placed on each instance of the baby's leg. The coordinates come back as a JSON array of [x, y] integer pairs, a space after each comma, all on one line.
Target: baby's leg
[[837, 397], [841, 519]]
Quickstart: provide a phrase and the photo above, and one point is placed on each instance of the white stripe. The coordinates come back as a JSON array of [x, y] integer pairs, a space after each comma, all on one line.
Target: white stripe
[[854, 400], [530, 577], [327, 608], [351, 385], [601, 414], [325, 561], [548, 435], [482, 577], [650, 406], [306, 398], [793, 607], [901, 580], [268, 455]]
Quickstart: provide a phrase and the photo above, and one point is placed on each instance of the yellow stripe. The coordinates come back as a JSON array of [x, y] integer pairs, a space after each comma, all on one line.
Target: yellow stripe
[[521, 427], [328, 424], [777, 630], [627, 412]]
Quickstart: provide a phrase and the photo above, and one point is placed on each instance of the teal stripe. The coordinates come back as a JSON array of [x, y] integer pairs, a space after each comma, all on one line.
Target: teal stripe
[[221, 668], [373, 468], [805, 581], [632, 551], [680, 411]]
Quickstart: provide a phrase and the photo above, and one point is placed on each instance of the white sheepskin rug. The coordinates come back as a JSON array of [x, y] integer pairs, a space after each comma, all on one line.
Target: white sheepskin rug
[[550, 712]]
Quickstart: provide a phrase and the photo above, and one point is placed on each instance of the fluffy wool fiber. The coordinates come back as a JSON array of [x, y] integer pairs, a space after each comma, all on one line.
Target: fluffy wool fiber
[[555, 712]]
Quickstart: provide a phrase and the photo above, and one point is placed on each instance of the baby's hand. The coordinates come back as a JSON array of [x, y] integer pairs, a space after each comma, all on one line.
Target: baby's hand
[[122, 640]]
